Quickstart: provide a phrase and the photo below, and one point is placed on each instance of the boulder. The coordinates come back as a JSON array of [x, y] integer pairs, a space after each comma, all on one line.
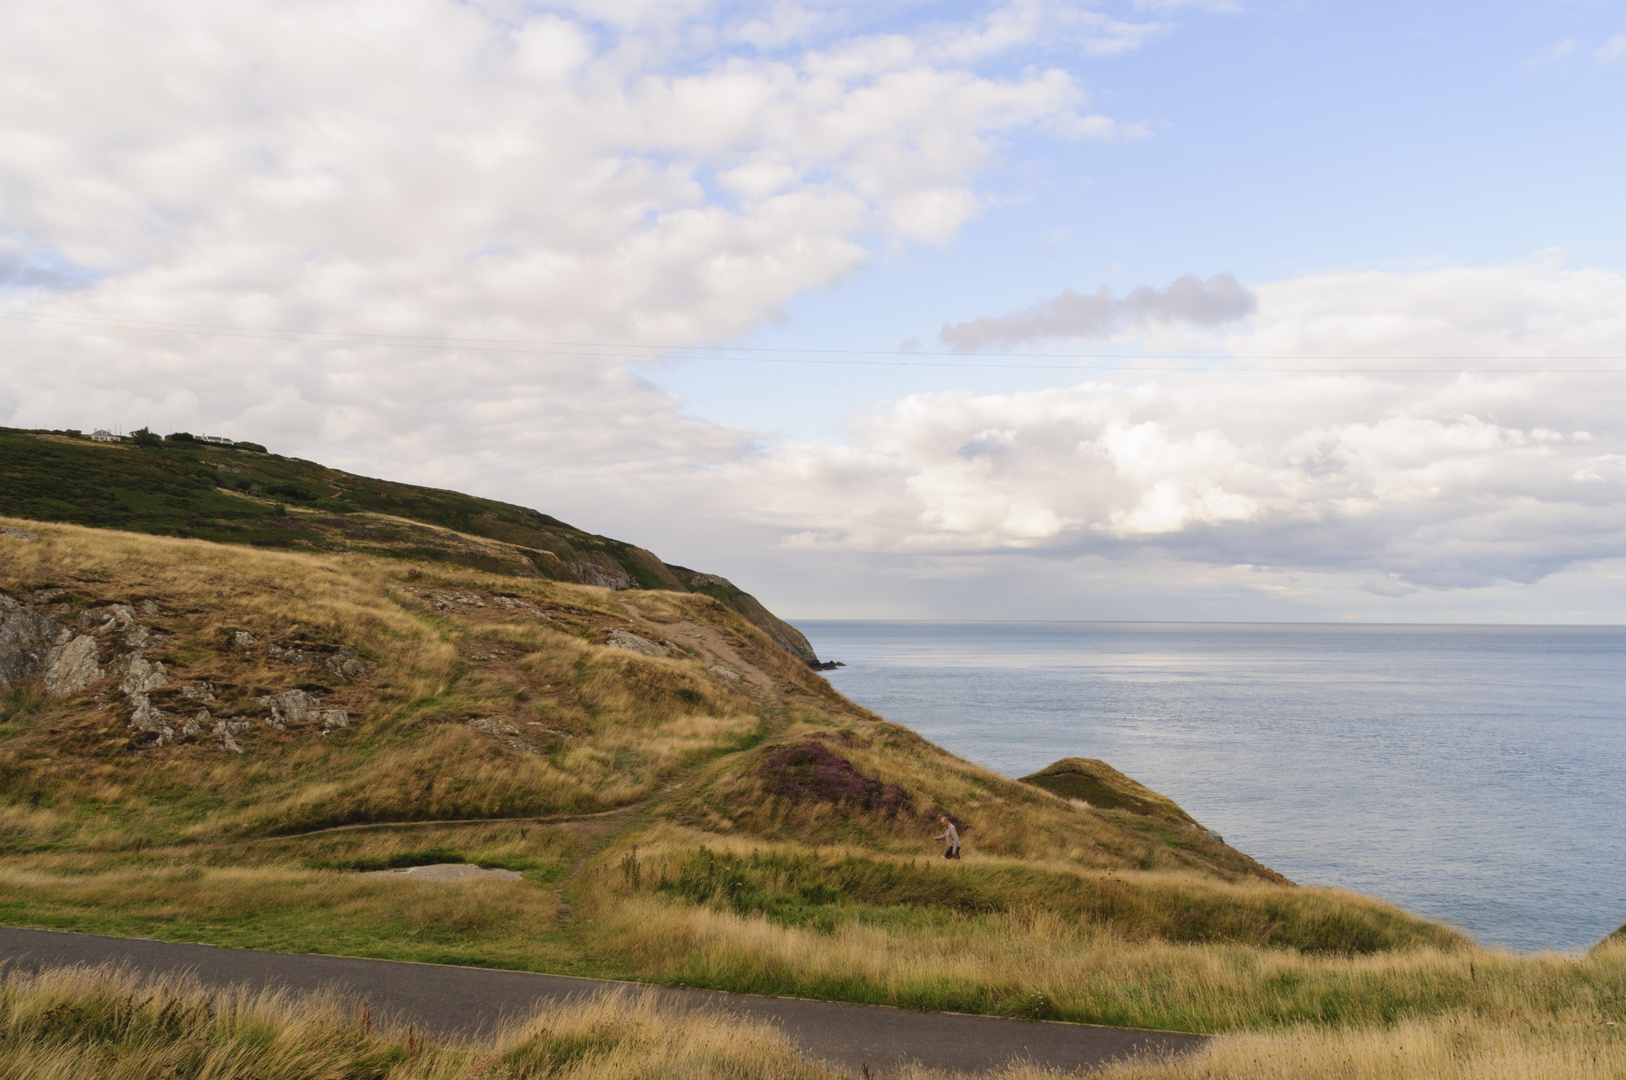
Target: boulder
[[72, 666], [301, 707], [138, 674], [626, 639], [26, 638]]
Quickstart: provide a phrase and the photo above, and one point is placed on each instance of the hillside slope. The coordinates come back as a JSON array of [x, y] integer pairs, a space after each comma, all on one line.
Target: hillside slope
[[232, 495]]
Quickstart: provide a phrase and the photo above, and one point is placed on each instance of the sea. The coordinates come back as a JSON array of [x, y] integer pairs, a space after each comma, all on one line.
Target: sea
[[1475, 775]]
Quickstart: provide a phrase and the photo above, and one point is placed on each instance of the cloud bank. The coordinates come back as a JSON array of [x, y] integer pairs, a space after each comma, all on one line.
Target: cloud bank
[[1419, 473]]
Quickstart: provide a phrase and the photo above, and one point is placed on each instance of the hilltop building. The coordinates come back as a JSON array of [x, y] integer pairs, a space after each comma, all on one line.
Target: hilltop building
[[103, 435], [218, 440]]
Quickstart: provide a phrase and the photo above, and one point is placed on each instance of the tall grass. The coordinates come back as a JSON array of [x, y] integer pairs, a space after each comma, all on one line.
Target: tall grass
[[101, 1024], [1039, 965]]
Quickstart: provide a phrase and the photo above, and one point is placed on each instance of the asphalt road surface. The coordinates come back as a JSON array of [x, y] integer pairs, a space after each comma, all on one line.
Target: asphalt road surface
[[451, 1001]]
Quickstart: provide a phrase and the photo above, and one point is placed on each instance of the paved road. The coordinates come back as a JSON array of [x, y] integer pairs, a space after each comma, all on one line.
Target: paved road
[[449, 1001]]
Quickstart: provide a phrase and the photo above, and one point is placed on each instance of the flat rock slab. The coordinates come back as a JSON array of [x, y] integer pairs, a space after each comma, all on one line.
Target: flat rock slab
[[452, 1001], [448, 871]]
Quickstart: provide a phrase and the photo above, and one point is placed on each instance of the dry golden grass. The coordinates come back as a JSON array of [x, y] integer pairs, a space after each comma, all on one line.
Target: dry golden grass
[[596, 727], [99, 1024]]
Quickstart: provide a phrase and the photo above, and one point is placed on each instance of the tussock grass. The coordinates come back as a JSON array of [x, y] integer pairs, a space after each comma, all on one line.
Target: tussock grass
[[102, 1024], [1570, 1045], [1038, 965], [794, 886]]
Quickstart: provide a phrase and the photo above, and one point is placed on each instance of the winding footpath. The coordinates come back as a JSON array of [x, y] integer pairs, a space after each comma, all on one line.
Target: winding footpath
[[452, 1001]]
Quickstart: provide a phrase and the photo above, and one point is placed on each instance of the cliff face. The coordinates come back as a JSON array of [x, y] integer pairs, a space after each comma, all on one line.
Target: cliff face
[[785, 635], [238, 495]]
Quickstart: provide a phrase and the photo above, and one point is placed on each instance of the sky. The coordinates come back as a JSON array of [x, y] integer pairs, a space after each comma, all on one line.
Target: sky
[[1207, 310]]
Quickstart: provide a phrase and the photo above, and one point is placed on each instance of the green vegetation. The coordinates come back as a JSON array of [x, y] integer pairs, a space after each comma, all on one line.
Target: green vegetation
[[179, 486], [1100, 785]]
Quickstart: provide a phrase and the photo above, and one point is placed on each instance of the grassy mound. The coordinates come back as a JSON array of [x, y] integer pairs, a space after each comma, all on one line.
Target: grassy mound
[[1100, 785]]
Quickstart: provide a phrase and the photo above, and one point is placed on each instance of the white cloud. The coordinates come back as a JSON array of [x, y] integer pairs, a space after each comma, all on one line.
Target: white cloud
[[1612, 50], [1425, 479], [426, 164]]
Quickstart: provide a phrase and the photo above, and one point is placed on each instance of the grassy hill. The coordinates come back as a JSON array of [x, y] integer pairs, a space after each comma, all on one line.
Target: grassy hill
[[221, 742], [178, 486]]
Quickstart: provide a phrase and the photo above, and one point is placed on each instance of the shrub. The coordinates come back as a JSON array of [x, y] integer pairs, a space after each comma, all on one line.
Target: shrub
[[808, 770], [143, 437]]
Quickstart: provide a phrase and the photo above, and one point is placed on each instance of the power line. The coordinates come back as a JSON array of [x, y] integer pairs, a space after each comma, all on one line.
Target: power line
[[837, 357]]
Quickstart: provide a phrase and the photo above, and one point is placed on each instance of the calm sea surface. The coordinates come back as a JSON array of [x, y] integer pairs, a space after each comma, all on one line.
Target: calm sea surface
[[1470, 774]]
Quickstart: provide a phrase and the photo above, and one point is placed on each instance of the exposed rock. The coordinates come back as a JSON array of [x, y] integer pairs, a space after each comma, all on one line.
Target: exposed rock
[[345, 665], [138, 675], [726, 672], [294, 655], [626, 639], [514, 603], [72, 666], [300, 707], [26, 638], [47, 594], [18, 534], [148, 608], [609, 577], [242, 639], [198, 691], [447, 601], [148, 717], [493, 727], [195, 725]]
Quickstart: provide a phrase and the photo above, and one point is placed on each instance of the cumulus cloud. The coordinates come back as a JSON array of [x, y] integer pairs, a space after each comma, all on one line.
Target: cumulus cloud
[[635, 173], [1415, 473], [1187, 299]]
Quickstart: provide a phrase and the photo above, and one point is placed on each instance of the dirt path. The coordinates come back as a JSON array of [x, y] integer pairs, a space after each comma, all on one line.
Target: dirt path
[[455, 1000]]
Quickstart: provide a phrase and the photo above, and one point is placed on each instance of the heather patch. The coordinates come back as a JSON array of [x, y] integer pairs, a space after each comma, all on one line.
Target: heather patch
[[809, 771]]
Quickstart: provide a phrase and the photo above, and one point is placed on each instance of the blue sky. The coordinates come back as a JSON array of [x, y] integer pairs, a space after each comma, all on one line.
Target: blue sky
[[1283, 139], [1340, 253]]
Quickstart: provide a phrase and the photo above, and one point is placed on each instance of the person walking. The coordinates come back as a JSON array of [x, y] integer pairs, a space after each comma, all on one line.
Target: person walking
[[951, 834]]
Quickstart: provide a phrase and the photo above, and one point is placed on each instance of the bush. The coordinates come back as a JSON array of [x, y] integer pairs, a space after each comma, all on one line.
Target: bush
[[180, 437], [143, 437], [254, 446]]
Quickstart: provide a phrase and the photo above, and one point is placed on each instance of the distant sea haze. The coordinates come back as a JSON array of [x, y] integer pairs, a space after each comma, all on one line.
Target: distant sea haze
[[1469, 774]]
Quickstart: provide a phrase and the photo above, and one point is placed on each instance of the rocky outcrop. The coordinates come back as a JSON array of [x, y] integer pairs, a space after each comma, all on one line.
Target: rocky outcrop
[[73, 666], [44, 639], [784, 635], [606, 575], [26, 639], [295, 707], [626, 639]]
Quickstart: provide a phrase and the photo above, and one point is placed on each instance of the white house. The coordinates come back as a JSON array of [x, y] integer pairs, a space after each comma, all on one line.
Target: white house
[[218, 440], [103, 435]]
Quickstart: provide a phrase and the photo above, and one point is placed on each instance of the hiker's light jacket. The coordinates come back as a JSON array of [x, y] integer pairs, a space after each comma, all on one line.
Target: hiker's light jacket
[[951, 834]]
